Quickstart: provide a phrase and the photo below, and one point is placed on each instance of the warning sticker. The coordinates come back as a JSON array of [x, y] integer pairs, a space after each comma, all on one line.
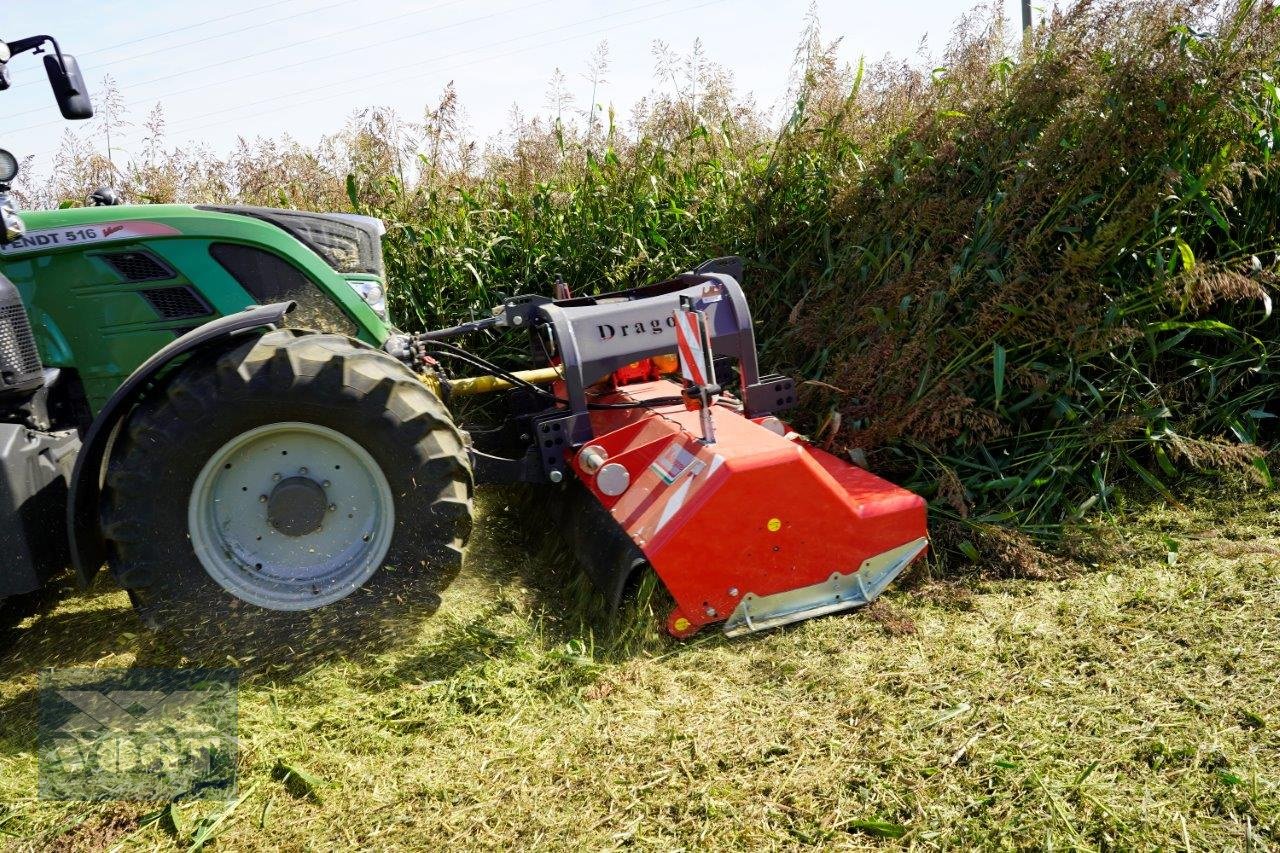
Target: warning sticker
[[674, 461], [55, 238]]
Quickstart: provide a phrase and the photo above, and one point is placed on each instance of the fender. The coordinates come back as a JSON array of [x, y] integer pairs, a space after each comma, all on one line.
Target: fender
[[88, 551]]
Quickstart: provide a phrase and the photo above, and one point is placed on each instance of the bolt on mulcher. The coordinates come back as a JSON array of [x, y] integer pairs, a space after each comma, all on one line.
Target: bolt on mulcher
[[743, 520]]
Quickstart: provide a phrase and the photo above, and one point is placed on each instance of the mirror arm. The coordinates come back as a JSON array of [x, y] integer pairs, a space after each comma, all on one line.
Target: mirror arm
[[33, 43]]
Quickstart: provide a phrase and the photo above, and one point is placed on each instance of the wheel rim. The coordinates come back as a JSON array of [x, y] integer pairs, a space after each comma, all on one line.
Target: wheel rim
[[258, 531]]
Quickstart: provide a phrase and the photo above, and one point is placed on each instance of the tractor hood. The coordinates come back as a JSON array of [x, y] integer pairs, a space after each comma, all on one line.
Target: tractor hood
[[350, 243]]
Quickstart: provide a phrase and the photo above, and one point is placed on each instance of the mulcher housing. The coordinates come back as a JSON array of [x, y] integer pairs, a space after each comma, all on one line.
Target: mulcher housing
[[755, 529]]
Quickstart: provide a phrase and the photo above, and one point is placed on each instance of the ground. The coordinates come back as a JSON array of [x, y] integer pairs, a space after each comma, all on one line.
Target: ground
[[1133, 703]]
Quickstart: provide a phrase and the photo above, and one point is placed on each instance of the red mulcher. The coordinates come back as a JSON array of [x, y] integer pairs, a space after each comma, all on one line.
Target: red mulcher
[[744, 521]]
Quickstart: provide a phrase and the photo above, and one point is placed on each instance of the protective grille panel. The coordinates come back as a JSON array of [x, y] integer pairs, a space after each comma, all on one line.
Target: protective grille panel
[[176, 303], [19, 358], [138, 266]]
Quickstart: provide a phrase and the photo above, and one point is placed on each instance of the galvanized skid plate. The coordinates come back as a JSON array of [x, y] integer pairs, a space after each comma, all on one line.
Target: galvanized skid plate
[[839, 592]]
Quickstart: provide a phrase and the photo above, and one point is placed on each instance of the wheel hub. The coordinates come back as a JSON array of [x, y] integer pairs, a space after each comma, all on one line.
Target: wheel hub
[[297, 506], [291, 516]]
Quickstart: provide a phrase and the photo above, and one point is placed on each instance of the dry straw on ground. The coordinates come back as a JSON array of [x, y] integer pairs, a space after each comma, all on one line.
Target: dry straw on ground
[[1132, 706]]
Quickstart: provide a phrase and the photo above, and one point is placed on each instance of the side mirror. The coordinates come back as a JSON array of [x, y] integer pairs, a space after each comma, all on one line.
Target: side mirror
[[68, 86]]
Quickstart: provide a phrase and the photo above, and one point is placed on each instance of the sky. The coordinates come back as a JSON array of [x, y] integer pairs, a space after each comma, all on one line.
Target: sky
[[257, 68]]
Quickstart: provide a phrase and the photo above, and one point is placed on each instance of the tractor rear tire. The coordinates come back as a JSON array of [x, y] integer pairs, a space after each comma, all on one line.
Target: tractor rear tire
[[229, 545]]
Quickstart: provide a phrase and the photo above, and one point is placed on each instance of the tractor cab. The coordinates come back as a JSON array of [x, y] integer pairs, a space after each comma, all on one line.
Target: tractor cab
[[36, 460]]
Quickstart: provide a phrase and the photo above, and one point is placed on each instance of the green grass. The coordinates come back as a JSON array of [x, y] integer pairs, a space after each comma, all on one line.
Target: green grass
[[1132, 704]]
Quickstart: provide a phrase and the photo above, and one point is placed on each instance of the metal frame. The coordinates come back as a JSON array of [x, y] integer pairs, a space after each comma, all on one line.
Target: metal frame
[[596, 335]]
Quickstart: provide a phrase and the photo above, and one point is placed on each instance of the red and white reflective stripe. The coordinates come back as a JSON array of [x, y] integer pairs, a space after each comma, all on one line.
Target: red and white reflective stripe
[[693, 345]]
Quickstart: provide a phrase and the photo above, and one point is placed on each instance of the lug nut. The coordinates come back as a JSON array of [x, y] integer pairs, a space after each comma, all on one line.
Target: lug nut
[[325, 484], [262, 498], [711, 611], [332, 507], [302, 470], [555, 476], [733, 592], [275, 478]]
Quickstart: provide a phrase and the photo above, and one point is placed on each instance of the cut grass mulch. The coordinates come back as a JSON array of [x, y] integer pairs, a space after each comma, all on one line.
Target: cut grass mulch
[[1134, 704]]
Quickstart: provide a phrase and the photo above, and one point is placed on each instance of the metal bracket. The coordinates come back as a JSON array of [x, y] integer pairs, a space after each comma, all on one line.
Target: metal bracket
[[839, 592], [773, 393], [490, 469], [554, 435]]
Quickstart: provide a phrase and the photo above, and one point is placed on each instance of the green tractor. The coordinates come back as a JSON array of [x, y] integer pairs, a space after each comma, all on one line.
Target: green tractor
[[202, 399]]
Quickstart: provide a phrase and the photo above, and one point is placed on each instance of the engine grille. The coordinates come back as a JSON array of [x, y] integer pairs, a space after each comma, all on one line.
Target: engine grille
[[176, 303], [19, 359], [138, 266]]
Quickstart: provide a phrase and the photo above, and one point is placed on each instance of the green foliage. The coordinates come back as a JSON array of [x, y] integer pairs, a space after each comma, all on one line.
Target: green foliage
[[1019, 281], [1013, 281]]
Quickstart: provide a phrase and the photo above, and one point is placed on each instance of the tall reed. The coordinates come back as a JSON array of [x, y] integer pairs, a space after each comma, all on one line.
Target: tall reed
[[1014, 281]]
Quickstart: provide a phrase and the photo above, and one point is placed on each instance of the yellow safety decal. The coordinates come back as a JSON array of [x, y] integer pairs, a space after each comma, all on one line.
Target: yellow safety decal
[[774, 525]]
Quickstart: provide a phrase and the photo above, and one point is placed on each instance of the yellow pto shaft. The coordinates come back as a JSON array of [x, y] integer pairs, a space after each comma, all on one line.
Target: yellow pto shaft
[[472, 385]]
